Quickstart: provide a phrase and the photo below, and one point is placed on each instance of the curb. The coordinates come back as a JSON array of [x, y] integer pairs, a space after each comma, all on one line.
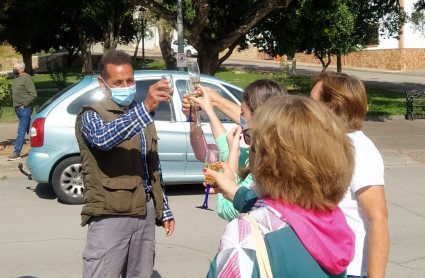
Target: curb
[[383, 118]]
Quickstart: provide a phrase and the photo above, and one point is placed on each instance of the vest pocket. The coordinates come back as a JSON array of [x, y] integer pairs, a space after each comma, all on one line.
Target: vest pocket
[[119, 194]]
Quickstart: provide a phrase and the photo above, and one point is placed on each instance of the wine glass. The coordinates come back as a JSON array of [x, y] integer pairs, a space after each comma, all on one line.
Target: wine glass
[[191, 93], [194, 74], [169, 77], [213, 160]]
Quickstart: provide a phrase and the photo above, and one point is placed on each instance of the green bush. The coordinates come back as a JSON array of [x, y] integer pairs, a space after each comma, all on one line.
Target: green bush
[[5, 92], [58, 74]]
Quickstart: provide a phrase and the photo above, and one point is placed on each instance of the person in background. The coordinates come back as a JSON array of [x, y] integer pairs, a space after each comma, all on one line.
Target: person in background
[[301, 159], [364, 204], [228, 143], [123, 190], [23, 94]]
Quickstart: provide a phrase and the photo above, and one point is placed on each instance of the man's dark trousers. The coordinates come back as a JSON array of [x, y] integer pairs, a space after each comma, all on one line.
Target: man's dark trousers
[[24, 116]]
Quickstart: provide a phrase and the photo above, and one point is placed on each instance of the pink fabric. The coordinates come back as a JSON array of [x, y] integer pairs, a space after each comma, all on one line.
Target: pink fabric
[[200, 147], [325, 235]]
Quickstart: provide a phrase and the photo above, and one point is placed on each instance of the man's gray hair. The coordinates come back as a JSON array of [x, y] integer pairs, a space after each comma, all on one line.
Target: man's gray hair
[[21, 64]]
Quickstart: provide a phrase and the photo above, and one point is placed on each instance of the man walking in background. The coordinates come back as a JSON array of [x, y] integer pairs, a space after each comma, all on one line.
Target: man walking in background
[[23, 93]]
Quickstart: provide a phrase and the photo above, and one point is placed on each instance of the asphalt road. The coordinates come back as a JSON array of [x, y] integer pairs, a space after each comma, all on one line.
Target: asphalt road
[[41, 237], [389, 80]]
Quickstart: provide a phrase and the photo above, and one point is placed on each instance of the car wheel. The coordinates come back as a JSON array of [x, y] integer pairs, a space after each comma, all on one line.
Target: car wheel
[[188, 53], [68, 182]]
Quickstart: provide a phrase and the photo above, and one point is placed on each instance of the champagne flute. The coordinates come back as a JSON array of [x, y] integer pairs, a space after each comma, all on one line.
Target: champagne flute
[[169, 77], [194, 74], [191, 93], [213, 160]]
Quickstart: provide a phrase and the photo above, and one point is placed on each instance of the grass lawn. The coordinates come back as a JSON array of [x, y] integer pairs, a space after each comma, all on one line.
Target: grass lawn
[[381, 102]]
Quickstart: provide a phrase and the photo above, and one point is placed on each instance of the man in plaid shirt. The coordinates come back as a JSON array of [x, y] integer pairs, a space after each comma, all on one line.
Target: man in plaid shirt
[[121, 243]]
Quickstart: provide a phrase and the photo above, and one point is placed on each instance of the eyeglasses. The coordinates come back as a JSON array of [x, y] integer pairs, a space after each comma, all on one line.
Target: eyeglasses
[[247, 136], [243, 121]]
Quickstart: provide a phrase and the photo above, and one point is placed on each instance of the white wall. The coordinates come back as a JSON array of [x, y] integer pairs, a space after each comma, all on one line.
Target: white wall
[[150, 43], [411, 40]]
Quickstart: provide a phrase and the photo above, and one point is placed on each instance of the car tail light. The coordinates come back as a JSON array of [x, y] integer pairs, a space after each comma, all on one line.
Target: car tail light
[[37, 132]]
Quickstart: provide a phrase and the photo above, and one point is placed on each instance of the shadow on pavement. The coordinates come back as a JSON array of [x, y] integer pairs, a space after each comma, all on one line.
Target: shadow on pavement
[[155, 274], [44, 191], [184, 189], [27, 277]]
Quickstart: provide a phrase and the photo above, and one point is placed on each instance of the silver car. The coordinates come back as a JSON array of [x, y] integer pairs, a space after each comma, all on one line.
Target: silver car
[[55, 156]]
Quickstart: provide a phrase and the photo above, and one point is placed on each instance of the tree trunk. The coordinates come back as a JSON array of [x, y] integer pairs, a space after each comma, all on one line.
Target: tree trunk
[[208, 61], [165, 45], [138, 39], [338, 63], [85, 53], [72, 55], [294, 65], [27, 58], [322, 60]]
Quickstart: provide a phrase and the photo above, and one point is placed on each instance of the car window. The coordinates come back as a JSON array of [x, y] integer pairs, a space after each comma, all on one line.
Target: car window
[[142, 88], [235, 92], [181, 87], [162, 113], [175, 42], [89, 97], [54, 98]]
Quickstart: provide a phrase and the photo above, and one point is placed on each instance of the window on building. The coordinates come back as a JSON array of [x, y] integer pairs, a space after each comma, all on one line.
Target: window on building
[[374, 35]]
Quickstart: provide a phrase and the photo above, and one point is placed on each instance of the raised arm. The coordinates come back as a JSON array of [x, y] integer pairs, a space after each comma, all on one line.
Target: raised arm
[[205, 102], [225, 106]]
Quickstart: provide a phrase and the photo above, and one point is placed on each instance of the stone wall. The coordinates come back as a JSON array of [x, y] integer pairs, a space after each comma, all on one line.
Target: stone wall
[[391, 59], [39, 63], [251, 53]]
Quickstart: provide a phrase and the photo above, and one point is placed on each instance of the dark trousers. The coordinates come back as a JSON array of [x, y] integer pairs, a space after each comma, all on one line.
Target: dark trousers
[[24, 116]]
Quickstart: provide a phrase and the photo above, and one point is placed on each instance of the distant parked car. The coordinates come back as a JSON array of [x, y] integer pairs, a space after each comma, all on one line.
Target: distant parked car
[[55, 156], [188, 49]]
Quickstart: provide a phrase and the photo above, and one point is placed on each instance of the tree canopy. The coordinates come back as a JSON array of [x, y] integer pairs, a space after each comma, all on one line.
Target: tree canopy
[[214, 26]]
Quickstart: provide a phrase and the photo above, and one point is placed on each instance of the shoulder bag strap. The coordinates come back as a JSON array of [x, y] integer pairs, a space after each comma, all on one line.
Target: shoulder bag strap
[[260, 249]]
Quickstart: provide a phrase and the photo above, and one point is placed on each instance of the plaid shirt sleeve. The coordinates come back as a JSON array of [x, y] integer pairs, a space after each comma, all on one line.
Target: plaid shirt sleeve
[[105, 136], [166, 212]]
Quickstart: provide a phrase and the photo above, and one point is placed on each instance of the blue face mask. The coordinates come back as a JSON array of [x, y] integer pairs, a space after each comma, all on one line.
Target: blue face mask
[[122, 96]]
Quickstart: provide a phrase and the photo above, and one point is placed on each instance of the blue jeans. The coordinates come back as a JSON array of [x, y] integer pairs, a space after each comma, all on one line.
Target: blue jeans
[[24, 116]]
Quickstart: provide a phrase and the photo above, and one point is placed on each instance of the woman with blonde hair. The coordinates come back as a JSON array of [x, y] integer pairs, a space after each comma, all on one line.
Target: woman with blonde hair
[[364, 204], [301, 159]]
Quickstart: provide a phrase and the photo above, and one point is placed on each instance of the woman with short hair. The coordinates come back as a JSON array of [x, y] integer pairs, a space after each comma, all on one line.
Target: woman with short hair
[[364, 204], [301, 159]]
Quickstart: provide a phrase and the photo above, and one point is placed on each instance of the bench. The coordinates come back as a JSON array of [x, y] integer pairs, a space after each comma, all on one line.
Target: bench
[[411, 101]]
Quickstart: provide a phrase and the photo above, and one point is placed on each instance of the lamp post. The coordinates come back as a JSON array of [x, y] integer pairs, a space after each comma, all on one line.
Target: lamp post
[[142, 11]]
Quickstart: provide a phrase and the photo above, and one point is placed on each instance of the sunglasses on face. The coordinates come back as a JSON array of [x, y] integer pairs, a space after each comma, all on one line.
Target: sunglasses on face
[[247, 136]]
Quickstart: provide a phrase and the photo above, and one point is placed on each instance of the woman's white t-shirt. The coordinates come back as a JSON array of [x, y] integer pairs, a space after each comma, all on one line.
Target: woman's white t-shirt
[[368, 171]]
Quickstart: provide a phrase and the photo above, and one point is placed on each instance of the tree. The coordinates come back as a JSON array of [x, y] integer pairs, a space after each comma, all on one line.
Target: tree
[[214, 26], [29, 26], [165, 32], [417, 19], [328, 27], [142, 21]]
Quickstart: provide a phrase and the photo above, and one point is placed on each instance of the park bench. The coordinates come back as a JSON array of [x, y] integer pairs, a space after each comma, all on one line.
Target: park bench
[[414, 98]]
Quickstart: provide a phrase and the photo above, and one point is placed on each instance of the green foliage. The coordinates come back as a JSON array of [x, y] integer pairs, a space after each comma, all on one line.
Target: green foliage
[[5, 92], [417, 19], [58, 73], [326, 27]]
